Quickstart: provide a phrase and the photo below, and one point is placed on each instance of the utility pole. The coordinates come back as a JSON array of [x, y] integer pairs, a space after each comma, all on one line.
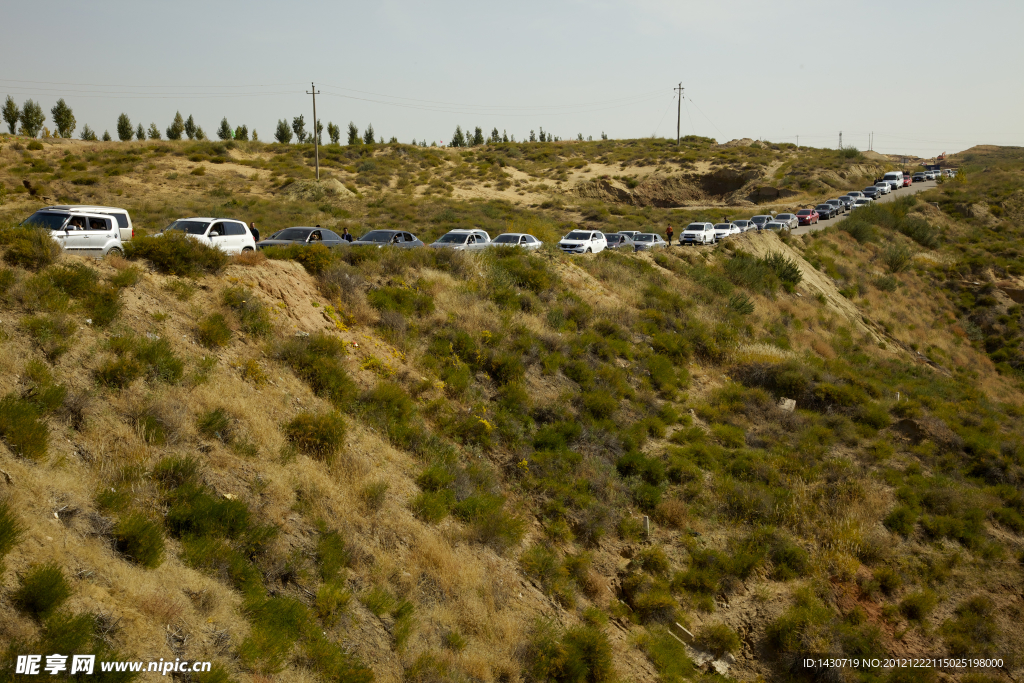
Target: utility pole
[[316, 139], [840, 140], [798, 142], [679, 112]]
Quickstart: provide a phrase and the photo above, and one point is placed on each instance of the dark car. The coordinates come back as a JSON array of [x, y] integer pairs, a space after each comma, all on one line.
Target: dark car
[[872, 192], [847, 201], [838, 203], [807, 216], [383, 238], [290, 236], [618, 240], [826, 211]]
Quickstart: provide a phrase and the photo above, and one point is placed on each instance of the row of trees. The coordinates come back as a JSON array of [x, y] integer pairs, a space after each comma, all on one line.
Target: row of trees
[[29, 119]]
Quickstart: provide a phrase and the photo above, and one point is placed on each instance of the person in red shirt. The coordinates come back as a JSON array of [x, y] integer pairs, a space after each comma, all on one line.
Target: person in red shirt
[[668, 235]]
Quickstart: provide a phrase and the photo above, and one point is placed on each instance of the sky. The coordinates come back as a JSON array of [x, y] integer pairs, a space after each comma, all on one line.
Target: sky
[[924, 77]]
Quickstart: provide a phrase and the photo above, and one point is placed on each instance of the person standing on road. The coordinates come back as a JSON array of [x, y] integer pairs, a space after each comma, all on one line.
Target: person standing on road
[[345, 235], [668, 235], [254, 231]]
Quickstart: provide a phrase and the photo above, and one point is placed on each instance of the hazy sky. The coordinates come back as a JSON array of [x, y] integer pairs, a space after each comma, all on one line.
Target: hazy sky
[[926, 77]]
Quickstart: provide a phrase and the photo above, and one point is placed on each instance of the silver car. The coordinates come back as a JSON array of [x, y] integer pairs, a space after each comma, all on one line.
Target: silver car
[[79, 232], [463, 240], [619, 240], [789, 220], [516, 239], [776, 226], [648, 241], [745, 225], [723, 230]]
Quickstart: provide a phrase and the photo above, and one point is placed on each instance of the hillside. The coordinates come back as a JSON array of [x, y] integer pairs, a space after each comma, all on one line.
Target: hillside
[[430, 466]]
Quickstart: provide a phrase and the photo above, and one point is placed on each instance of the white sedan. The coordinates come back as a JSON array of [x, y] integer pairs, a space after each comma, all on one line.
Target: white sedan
[[516, 239], [723, 230]]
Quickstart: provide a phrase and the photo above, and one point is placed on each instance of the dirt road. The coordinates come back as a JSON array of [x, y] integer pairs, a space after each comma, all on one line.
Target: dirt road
[[902, 192]]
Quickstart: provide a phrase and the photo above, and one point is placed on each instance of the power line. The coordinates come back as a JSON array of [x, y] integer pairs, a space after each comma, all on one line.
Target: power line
[[706, 116]]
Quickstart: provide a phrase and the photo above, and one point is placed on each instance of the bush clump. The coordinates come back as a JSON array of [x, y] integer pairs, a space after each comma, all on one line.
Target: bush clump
[[582, 654], [213, 331], [22, 428], [317, 360], [41, 590], [140, 540], [136, 357], [253, 316], [28, 247], [718, 639], [174, 253], [320, 436], [11, 530]]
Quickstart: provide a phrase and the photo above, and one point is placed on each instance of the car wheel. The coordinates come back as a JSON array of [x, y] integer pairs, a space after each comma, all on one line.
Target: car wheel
[[246, 249], [116, 251], [588, 250]]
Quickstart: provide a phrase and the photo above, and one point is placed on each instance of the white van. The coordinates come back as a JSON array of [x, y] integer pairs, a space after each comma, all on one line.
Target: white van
[[83, 233], [894, 178], [230, 236], [124, 221]]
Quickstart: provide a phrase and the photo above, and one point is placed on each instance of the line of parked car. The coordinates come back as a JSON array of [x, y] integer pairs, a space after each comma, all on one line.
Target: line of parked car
[[101, 230]]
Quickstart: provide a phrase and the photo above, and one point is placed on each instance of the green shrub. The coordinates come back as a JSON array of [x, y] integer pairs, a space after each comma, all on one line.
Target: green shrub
[[378, 600], [973, 630], [332, 599], [320, 436], [917, 606], [21, 428], [277, 623], [896, 258], [129, 277], [332, 554], [140, 540], [152, 358], [11, 530], [807, 614], [751, 272], [582, 654], [901, 521], [173, 253], [454, 641], [253, 316], [317, 360], [373, 495], [213, 331], [729, 436], [860, 230], [216, 424], [221, 559], [175, 471], [718, 639], [887, 283], [30, 248], [400, 300], [52, 334], [432, 506], [41, 590]]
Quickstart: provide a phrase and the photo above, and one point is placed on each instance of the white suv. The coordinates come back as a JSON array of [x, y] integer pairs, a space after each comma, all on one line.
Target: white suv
[[228, 235], [124, 221], [79, 232], [583, 242], [698, 233]]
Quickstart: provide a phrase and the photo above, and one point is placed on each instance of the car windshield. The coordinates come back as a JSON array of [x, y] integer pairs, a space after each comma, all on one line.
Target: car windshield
[[506, 239], [695, 226], [577, 235], [453, 239], [722, 226], [377, 236], [45, 219], [644, 238], [804, 212], [190, 227], [292, 234]]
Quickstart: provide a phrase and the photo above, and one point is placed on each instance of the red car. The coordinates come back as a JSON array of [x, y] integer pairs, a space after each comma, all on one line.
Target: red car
[[907, 180], [807, 216]]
